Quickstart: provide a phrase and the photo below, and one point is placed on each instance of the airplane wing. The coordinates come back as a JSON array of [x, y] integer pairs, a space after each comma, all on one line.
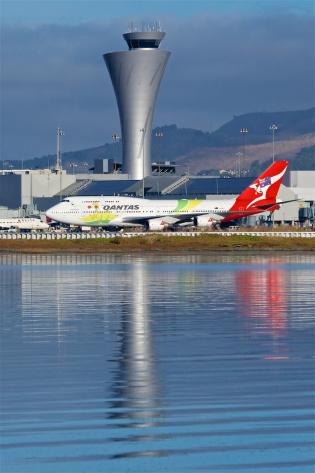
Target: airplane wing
[[170, 219]]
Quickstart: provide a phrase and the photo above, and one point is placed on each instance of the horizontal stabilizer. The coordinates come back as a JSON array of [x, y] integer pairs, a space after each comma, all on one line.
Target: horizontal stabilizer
[[267, 206]]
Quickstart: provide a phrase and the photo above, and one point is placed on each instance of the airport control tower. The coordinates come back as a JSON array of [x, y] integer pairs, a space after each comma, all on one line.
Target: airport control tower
[[136, 75]]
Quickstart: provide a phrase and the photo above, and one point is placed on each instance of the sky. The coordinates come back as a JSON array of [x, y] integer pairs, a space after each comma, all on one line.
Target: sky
[[227, 58]]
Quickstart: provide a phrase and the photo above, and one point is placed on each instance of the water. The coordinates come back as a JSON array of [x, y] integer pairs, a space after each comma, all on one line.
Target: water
[[153, 364]]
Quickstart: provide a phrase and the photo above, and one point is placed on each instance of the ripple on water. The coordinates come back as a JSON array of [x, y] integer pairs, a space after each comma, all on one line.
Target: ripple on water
[[159, 363]]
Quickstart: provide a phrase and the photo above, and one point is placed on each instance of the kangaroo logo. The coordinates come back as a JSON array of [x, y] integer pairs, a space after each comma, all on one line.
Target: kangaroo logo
[[261, 187]]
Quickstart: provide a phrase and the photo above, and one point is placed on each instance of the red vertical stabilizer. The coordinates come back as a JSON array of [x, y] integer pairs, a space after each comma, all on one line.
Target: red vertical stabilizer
[[263, 191]]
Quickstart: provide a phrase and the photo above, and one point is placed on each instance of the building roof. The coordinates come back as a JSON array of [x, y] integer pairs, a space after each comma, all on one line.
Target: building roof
[[108, 188], [195, 187], [212, 185]]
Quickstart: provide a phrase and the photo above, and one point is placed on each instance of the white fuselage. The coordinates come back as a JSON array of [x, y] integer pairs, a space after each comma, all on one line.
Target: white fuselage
[[127, 211], [23, 223]]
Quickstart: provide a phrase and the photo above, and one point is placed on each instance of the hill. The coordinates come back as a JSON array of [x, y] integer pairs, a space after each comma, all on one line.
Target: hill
[[290, 125], [200, 150], [302, 161], [227, 157], [305, 159]]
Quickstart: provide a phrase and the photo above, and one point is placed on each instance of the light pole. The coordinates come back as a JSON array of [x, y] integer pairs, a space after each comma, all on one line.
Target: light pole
[[243, 132], [273, 128], [73, 165], [142, 130], [239, 155], [187, 174], [60, 133], [159, 135], [116, 139]]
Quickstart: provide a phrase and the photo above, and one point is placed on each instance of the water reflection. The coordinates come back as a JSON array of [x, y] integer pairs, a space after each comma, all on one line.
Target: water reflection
[[306, 258], [10, 295], [135, 395], [135, 389], [262, 294]]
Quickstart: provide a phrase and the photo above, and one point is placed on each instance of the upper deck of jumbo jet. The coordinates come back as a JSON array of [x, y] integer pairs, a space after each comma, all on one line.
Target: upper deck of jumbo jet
[[93, 198]]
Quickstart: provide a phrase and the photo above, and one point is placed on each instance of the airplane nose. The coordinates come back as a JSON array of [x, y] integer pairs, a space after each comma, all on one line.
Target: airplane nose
[[49, 214]]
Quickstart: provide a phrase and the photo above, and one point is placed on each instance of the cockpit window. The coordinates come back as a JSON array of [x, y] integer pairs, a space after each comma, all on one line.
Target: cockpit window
[[66, 200]]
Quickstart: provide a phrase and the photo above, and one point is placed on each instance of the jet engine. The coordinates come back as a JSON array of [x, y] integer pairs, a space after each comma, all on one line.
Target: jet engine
[[156, 225], [204, 221]]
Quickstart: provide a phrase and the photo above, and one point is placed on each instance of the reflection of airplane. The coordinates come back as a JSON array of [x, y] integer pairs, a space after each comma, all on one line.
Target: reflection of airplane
[[263, 300], [260, 196], [135, 390], [23, 224]]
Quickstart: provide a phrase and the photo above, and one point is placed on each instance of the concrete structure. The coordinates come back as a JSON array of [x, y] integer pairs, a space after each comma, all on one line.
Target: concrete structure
[[5, 212], [136, 75], [103, 166], [288, 213], [51, 235], [101, 177], [44, 183], [11, 190], [303, 184], [19, 187]]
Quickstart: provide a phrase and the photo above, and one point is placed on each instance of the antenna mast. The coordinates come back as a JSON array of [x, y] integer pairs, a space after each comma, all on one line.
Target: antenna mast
[[58, 160]]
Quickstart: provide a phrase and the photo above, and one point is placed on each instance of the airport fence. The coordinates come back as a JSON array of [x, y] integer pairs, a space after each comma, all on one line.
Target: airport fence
[[6, 235]]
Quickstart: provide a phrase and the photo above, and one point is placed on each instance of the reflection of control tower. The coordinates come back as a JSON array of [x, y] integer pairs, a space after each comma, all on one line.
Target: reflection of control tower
[[136, 75], [135, 389]]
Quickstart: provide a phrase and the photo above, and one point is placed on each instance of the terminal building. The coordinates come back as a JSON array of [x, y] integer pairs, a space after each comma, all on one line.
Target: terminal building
[[20, 188]]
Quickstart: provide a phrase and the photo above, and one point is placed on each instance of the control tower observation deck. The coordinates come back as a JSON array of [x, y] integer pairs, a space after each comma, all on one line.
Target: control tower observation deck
[[136, 75]]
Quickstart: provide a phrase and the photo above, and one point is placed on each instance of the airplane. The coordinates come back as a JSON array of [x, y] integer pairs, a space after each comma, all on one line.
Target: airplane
[[156, 215], [22, 224]]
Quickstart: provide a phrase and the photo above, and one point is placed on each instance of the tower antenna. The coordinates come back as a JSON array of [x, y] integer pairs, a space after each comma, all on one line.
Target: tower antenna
[[60, 133]]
